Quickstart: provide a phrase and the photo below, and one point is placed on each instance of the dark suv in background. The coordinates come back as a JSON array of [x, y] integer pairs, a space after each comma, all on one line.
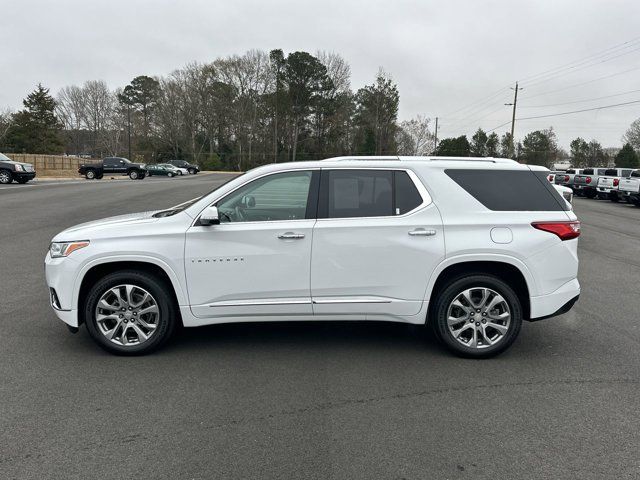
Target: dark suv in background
[[193, 169]]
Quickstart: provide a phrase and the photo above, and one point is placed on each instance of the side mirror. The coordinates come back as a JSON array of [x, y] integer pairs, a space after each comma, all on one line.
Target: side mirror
[[210, 216]]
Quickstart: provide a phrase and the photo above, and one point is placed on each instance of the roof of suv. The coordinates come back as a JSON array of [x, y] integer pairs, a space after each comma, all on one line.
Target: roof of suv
[[398, 161]]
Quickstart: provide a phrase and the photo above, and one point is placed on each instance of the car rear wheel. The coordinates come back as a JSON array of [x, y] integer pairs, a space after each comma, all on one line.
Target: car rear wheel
[[477, 316], [90, 174], [130, 313], [590, 193]]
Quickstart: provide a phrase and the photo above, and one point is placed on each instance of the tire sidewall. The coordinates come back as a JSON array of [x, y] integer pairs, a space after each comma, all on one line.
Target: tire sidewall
[[133, 175], [447, 295], [158, 289], [90, 175]]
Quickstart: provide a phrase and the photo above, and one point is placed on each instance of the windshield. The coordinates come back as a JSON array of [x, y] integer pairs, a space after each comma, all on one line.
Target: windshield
[[4, 157]]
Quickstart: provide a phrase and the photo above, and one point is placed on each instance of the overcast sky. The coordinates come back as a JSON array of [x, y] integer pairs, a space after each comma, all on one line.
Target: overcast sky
[[444, 55]]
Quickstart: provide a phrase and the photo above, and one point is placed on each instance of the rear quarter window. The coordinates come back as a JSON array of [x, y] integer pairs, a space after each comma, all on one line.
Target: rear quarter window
[[510, 190]]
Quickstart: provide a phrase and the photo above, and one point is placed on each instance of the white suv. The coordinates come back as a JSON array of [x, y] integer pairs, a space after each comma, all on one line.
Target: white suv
[[471, 247]]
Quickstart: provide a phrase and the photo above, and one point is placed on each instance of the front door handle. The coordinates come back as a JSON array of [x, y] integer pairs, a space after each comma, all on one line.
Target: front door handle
[[422, 232], [291, 236]]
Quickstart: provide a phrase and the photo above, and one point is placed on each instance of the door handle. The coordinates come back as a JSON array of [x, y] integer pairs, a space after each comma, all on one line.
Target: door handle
[[422, 232], [291, 236]]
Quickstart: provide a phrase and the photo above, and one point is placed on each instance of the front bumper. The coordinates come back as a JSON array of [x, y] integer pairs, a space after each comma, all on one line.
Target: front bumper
[[24, 175], [60, 274], [555, 303]]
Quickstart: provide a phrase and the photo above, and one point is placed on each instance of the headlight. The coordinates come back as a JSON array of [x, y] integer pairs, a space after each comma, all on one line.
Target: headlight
[[64, 249], [19, 168]]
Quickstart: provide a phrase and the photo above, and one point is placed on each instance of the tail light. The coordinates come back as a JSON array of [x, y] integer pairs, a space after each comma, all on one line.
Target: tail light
[[564, 230], [588, 180], [550, 178], [616, 182], [566, 178]]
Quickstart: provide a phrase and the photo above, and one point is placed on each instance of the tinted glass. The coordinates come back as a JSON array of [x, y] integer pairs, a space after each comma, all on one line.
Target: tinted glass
[[571, 170], [612, 172], [510, 190], [587, 171], [359, 193], [282, 196], [407, 196], [601, 171], [110, 162], [635, 173], [626, 173]]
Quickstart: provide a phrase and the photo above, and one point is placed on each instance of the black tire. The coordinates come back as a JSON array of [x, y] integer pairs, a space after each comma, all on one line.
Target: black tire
[[161, 292], [192, 171], [440, 311], [141, 176], [22, 181], [614, 198], [99, 176], [590, 194], [133, 174], [90, 174]]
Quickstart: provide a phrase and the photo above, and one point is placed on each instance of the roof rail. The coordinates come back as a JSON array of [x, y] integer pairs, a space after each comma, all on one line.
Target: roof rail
[[419, 158]]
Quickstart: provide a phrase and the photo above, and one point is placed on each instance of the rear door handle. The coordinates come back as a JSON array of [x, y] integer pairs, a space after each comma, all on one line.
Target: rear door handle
[[422, 232], [291, 236]]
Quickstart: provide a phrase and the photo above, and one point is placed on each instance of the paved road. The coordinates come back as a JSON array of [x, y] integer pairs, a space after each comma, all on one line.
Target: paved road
[[322, 401]]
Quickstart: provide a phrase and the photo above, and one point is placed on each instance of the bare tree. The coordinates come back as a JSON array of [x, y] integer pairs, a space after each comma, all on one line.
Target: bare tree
[[71, 108], [5, 123], [632, 136], [99, 103], [414, 137], [338, 70]]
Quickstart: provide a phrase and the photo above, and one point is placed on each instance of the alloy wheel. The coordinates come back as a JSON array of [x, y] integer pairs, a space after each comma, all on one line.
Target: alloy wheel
[[5, 177], [478, 317], [127, 315]]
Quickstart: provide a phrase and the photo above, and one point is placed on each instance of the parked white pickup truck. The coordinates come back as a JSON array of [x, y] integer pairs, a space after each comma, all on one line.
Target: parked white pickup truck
[[609, 182], [629, 187], [586, 182]]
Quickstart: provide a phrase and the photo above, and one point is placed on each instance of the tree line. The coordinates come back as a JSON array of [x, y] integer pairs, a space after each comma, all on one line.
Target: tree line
[[242, 111]]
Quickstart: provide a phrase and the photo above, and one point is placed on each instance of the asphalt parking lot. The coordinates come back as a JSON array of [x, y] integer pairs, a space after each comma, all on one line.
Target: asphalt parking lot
[[322, 401]]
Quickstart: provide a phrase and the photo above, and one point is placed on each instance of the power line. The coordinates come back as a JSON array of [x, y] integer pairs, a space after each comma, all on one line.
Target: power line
[[568, 113], [578, 67], [580, 101], [584, 83], [580, 111], [620, 46]]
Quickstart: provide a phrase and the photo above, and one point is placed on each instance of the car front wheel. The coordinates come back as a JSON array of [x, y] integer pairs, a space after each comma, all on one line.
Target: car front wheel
[[90, 175], [192, 171], [133, 175], [130, 313], [477, 316]]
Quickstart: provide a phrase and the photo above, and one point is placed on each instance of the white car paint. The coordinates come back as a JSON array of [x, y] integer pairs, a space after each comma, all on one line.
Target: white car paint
[[374, 268]]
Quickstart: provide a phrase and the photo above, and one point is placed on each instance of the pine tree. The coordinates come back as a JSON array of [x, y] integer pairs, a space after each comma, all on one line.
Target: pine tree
[[627, 157], [36, 129]]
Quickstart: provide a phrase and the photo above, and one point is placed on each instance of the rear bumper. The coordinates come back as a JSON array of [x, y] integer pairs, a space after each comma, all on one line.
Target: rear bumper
[[555, 303]]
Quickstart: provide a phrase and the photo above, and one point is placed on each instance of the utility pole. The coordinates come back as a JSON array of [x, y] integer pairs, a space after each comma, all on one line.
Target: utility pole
[[129, 129], [513, 116], [435, 145]]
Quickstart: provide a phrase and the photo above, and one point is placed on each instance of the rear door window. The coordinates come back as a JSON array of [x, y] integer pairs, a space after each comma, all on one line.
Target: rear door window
[[367, 193], [510, 190]]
